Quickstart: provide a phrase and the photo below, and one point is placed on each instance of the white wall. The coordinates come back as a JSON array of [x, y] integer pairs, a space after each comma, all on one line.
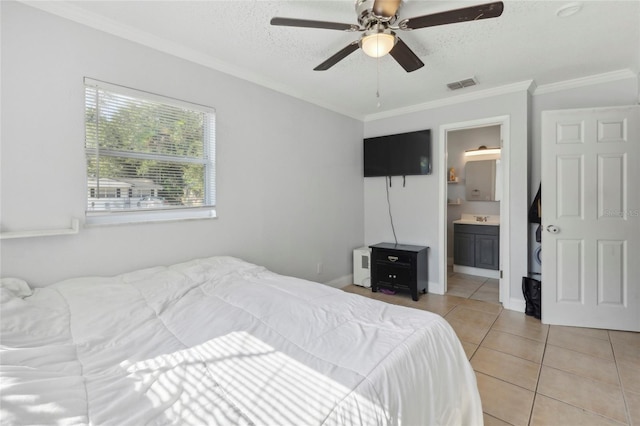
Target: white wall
[[289, 173], [415, 207]]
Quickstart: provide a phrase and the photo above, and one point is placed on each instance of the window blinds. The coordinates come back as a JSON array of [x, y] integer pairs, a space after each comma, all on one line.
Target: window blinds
[[145, 151]]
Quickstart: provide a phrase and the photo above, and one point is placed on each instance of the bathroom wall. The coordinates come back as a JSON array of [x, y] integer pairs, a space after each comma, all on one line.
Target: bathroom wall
[[458, 142]]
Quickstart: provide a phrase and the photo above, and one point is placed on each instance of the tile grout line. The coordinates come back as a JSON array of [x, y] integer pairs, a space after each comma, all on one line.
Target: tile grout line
[[582, 408], [476, 350], [535, 392], [595, 357], [477, 289], [524, 337]]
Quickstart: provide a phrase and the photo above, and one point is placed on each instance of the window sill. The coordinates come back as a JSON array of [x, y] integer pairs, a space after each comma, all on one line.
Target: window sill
[[127, 218]]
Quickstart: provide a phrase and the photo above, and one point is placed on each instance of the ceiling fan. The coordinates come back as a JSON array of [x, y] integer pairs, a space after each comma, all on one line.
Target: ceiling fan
[[377, 21]]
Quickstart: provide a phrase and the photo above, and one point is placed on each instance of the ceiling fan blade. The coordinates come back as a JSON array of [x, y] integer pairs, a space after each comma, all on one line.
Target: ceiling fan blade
[[338, 57], [306, 23], [405, 56], [472, 13], [386, 8]]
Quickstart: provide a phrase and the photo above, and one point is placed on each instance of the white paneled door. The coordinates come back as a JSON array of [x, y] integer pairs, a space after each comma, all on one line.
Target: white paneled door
[[591, 218]]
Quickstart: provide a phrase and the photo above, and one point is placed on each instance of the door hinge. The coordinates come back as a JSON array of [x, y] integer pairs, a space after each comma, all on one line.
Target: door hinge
[[500, 273]]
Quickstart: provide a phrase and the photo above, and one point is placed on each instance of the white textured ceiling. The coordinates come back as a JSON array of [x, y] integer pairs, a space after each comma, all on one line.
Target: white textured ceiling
[[528, 42]]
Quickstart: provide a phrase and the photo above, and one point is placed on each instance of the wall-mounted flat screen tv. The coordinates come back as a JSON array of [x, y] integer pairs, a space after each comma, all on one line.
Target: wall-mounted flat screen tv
[[403, 154]]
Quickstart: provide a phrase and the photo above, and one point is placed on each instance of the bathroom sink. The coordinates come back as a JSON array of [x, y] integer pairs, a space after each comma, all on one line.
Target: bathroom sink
[[473, 219]]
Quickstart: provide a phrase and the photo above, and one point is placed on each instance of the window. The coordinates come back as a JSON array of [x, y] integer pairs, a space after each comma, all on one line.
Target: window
[[148, 157]]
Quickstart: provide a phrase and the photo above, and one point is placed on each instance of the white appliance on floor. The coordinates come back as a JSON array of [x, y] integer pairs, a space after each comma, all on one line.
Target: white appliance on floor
[[362, 267]]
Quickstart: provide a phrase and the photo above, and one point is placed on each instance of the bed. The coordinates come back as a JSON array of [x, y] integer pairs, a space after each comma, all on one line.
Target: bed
[[223, 341]]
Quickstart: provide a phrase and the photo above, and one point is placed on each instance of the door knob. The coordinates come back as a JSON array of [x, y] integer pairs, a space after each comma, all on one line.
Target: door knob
[[553, 229]]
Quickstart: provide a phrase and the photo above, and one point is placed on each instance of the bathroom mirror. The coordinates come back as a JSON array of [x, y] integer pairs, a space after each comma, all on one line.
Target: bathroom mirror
[[480, 180]]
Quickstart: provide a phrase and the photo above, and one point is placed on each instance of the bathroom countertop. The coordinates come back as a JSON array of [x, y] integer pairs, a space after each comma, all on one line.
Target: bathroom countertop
[[478, 219]]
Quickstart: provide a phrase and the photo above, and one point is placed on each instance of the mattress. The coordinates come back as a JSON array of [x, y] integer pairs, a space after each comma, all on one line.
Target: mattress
[[221, 341]]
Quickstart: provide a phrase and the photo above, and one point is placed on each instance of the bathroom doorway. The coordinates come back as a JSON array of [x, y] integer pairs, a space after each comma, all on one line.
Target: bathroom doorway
[[476, 255], [473, 203]]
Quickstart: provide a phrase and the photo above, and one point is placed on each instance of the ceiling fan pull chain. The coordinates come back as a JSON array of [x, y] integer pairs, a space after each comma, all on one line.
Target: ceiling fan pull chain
[[378, 81]]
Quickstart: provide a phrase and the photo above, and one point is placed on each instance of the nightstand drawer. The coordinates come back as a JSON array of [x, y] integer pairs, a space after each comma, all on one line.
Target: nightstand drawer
[[394, 256]]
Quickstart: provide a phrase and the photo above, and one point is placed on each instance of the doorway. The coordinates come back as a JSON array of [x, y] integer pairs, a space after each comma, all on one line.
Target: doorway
[[473, 208], [454, 205]]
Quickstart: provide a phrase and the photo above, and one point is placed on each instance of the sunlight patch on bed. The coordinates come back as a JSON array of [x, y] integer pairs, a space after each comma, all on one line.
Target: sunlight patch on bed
[[242, 374]]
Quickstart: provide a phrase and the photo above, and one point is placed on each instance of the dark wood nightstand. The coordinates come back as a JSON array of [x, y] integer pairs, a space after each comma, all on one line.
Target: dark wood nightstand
[[399, 267]]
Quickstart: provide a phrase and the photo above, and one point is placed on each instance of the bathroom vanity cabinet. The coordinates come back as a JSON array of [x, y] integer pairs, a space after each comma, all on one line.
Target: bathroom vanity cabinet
[[477, 246]]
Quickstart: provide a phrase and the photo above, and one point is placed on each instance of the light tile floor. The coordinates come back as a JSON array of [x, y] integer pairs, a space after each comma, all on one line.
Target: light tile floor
[[534, 374]]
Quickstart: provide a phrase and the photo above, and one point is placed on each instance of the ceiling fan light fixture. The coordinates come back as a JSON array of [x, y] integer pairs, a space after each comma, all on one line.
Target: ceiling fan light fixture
[[378, 44], [377, 18]]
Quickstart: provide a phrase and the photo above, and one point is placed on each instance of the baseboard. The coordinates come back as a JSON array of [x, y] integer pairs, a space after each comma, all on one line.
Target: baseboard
[[340, 281], [469, 270], [517, 305], [435, 288]]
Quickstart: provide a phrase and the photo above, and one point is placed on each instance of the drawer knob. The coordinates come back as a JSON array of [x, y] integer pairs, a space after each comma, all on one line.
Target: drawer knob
[[392, 258]]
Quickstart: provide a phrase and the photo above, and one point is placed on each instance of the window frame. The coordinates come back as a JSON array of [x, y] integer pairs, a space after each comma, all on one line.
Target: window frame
[[207, 211]]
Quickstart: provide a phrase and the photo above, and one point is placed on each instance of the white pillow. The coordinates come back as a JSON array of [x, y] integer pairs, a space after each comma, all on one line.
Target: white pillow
[[16, 286]]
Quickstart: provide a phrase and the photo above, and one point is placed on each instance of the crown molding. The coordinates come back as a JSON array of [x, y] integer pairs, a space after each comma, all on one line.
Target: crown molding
[[79, 15], [585, 81], [523, 86], [76, 14], [529, 85]]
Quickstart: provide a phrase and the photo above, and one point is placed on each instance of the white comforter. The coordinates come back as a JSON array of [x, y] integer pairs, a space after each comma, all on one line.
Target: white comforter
[[222, 341]]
